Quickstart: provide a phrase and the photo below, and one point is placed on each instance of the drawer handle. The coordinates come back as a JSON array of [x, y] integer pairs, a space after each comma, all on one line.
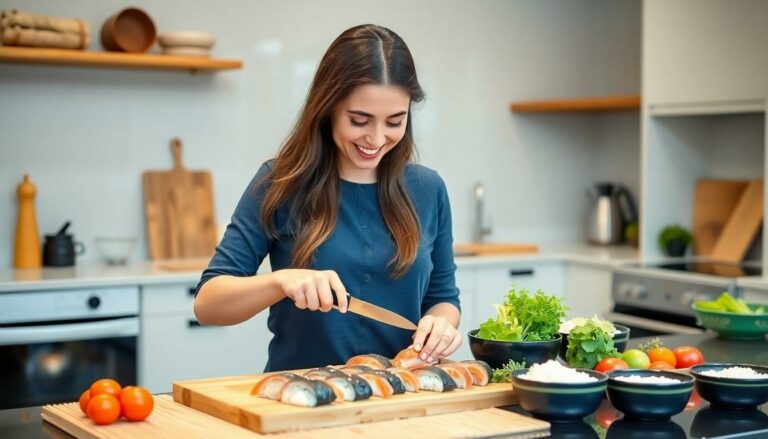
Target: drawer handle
[[195, 324], [192, 291], [523, 272]]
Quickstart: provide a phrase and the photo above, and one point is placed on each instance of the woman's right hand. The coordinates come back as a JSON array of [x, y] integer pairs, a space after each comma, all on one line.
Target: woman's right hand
[[312, 289]]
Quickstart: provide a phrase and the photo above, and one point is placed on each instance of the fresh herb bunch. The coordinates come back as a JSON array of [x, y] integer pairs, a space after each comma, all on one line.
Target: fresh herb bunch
[[504, 375], [651, 344], [589, 343], [525, 317]]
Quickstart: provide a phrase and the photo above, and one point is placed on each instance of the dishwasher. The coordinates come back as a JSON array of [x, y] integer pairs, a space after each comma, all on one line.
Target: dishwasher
[[54, 344]]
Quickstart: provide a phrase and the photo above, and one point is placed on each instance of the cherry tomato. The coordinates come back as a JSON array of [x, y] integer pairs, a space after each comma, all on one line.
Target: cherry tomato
[[104, 409], [636, 359], [663, 354], [85, 398], [611, 363], [137, 403], [107, 386], [661, 365], [687, 356]]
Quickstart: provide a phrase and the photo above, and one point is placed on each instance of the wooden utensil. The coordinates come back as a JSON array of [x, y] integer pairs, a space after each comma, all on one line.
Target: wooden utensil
[[713, 204], [179, 211], [495, 248], [229, 398], [171, 419], [742, 226]]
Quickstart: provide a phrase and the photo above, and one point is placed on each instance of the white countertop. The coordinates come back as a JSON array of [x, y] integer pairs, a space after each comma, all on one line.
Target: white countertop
[[756, 282], [188, 271]]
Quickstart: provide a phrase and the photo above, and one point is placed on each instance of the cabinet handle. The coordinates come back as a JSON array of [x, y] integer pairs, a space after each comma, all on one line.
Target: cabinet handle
[[192, 291], [522, 272], [195, 324]]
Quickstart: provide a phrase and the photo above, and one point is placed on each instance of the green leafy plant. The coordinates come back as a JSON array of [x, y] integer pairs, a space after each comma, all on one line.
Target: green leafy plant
[[589, 343], [525, 317], [504, 375], [651, 344], [674, 233]]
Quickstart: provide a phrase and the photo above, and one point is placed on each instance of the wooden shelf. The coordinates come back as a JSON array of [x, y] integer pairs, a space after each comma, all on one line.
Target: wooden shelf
[[607, 103], [63, 57]]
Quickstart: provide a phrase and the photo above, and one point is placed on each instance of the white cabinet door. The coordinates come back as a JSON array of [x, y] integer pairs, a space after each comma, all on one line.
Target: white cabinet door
[[465, 281], [173, 347], [494, 281], [587, 289], [705, 53]]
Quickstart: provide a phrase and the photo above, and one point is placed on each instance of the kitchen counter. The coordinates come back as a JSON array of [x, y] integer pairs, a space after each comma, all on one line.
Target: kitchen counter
[[697, 421], [188, 271]]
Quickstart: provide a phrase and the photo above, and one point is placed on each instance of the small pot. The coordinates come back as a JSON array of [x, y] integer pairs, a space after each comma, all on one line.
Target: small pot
[[129, 30], [676, 248]]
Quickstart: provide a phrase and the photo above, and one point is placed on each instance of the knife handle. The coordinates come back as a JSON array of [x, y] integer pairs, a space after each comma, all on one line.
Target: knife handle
[[336, 300]]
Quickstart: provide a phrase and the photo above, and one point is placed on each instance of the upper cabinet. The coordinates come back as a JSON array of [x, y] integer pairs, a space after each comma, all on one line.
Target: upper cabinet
[[705, 56]]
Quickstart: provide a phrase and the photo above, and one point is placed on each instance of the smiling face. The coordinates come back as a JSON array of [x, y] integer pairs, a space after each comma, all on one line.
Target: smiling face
[[366, 126]]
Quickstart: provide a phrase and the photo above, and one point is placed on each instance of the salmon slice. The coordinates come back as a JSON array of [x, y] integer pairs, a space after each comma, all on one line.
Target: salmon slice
[[371, 360], [459, 373], [271, 386], [480, 370], [409, 380], [409, 359], [379, 384]]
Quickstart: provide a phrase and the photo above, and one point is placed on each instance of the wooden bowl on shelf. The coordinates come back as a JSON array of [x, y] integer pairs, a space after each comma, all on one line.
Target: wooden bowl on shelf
[[129, 30]]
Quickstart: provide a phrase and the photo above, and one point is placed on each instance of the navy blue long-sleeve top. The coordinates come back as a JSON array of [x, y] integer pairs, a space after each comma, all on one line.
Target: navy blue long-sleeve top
[[359, 250]]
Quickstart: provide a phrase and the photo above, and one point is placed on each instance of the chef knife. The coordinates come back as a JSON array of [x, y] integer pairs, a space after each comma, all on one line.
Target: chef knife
[[363, 308]]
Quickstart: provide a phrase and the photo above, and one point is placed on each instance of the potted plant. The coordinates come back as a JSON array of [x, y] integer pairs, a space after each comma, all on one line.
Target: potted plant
[[674, 240], [632, 234], [525, 330]]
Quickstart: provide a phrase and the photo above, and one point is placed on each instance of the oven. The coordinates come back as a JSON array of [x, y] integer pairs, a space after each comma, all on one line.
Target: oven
[[656, 299], [54, 344]]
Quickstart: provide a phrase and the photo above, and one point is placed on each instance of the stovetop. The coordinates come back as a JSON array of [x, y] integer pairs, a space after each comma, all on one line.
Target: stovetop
[[714, 268]]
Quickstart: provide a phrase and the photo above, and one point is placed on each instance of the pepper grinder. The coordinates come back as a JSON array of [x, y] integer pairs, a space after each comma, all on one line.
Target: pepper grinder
[[27, 253]]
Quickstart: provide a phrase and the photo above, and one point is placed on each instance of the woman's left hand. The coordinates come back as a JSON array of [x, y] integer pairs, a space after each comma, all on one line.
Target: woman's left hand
[[442, 338]]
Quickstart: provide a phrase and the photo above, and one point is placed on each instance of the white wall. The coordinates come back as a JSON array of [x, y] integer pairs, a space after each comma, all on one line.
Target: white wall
[[86, 135]]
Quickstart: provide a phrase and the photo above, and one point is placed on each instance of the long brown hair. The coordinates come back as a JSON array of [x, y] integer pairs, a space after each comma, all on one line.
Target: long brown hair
[[305, 171]]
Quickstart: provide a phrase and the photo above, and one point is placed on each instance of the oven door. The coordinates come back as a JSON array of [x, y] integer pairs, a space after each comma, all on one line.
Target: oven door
[[52, 363], [644, 326]]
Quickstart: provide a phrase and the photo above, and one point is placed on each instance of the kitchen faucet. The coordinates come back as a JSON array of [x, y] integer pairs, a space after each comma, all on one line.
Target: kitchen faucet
[[480, 229]]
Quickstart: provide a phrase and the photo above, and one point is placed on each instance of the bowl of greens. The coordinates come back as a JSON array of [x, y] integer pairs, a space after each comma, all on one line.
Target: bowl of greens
[[525, 330], [592, 336], [733, 318]]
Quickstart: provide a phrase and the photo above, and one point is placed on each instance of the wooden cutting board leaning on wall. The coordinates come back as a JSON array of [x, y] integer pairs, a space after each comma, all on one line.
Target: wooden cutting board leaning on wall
[[713, 204], [178, 205]]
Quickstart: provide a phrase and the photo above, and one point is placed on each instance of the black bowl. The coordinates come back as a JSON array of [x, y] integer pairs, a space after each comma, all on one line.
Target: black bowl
[[734, 393], [629, 429], [647, 401], [498, 353], [559, 402], [620, 340]]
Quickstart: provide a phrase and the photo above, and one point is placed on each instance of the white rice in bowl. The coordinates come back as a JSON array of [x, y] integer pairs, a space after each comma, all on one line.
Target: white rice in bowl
[[554, 372], [647, 379], [735, 372]]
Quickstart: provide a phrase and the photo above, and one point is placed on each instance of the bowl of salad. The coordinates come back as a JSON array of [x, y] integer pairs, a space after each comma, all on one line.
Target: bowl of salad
[[732, 317], [525, 330]]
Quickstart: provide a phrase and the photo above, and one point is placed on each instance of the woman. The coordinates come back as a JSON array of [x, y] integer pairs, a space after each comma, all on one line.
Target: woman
[[342, 210]]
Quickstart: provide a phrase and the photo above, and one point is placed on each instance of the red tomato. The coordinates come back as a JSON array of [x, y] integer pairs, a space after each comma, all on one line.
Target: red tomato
[[104, 409], [107, 386], [85, 398], [137, 403], [606, 414], [661, 365], [687, 356], [663, 354], [611, 363]]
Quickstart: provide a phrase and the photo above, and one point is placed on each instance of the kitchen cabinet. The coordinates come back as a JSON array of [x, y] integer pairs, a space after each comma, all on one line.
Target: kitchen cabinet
[[705, 56], [493, 282], [173, 346]]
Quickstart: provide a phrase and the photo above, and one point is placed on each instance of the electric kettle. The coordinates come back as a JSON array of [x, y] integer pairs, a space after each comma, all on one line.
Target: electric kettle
[[611, 208]]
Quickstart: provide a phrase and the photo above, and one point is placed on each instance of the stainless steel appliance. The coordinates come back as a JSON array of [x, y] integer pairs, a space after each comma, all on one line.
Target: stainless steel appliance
[[656, 299], [54, 344], [612, 207]]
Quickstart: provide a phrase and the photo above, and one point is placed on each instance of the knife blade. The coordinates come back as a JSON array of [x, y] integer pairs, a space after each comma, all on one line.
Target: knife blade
[[365, 309]]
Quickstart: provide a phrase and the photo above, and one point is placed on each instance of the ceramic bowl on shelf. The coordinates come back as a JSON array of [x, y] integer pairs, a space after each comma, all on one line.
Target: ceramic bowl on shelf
[[647, 400], [187, 38], [187, 51], [497, 353], [736, 393], [559, 402], [116, 250], [129, 30]]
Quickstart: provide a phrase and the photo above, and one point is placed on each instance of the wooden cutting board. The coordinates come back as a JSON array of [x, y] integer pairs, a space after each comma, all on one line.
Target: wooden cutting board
[[742, 226], [179, 211], [229, 398], [713, 204], [173, 420], [495, 248]]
